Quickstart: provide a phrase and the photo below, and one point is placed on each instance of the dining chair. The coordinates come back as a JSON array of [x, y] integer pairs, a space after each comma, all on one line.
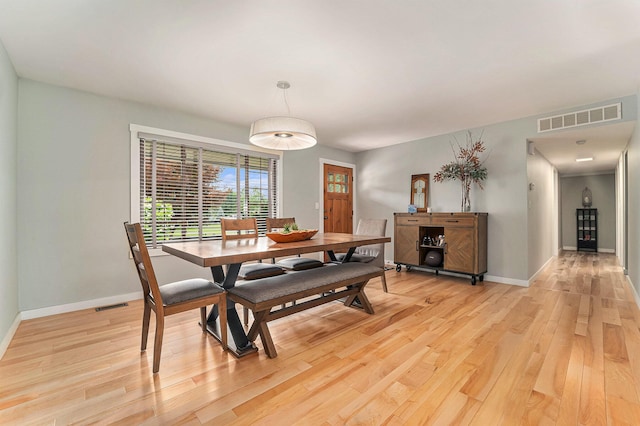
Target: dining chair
[[239, 229], [274, 223], [373, 253], [171, 298]]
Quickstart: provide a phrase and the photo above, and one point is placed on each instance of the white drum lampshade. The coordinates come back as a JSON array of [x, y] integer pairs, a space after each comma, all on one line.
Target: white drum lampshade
[[283, 133]]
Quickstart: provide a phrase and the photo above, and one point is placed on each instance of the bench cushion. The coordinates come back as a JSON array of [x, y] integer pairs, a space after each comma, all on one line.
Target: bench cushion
[[295, 282], [254, 271], [299, 263]]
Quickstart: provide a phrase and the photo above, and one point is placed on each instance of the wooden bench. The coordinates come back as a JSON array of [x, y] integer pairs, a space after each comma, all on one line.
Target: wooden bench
[[316, 286]]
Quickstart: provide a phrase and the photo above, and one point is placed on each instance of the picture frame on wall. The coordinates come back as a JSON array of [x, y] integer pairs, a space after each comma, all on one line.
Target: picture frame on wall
[[420, 191]]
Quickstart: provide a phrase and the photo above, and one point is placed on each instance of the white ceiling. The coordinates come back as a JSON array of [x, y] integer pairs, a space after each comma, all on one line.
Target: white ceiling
[[367, 74]]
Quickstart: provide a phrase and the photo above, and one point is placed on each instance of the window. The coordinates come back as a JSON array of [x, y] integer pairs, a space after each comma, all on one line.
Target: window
[[183, 186]]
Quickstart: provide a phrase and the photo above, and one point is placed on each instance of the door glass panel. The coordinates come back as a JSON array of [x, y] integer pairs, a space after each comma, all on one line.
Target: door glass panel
[[330, 187]]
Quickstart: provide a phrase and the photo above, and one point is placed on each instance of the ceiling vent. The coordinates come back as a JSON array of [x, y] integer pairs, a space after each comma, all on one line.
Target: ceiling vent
[[580, 118]]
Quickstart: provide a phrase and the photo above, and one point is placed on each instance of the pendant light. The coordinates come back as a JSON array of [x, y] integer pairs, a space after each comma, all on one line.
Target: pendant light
[[283, 133]]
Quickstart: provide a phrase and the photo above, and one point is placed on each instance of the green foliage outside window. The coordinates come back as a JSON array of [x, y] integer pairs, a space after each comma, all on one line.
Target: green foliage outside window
[[164, 215]]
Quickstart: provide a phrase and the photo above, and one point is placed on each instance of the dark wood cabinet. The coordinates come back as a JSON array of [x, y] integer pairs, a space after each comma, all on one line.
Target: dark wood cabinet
[[587, 229], [458, 240]]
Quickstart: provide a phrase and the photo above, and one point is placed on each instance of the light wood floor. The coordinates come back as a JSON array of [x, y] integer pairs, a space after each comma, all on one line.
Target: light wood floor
[[437, 351]]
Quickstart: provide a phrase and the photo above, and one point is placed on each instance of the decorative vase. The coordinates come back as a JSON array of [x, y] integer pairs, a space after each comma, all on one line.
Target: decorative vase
[[466, 200]]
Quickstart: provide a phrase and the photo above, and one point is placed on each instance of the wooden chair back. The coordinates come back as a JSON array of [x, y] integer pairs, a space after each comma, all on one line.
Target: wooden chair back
[[240, 228], [278, 222], [143, 264]]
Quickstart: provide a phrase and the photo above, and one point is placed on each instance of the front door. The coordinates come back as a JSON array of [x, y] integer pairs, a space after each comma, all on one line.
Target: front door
[[338, 199]]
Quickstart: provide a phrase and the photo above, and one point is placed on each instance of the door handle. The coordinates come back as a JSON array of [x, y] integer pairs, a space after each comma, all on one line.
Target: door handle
[[326, 217]]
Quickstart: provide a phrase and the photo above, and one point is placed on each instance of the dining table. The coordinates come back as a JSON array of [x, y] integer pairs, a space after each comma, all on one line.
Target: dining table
[[225, 258]]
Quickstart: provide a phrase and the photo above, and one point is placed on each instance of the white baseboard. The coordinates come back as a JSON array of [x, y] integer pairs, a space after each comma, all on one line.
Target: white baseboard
[[535, 275], [510, 281], [10, 333], [600, 250], [86, 304], [633, 290]]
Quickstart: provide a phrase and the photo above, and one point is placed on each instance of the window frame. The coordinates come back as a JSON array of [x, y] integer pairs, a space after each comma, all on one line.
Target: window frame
[[138, 131]]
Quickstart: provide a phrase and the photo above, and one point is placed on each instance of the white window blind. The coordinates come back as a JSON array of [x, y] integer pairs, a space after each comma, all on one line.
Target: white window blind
[[185, 189]]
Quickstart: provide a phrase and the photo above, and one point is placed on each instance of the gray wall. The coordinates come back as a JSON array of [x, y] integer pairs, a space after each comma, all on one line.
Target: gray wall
[[384, 185], [604, 199], [8, 211], [633, 233], [73, 183], [542, 212]]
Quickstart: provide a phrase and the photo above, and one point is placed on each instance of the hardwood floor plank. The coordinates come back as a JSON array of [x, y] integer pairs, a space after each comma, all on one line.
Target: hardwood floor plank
[[592, 398], [489, 368], [582, 323], [457, 409], [572, 389], [622, 412], [541, 409], [553, 373], [429, 395]]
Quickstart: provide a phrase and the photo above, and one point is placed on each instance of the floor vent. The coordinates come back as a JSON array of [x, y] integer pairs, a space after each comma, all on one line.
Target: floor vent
[[117, 305], [580, 118]]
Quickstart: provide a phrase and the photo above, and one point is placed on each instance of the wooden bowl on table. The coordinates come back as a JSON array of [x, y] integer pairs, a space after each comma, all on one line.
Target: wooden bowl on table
[[300, 235]]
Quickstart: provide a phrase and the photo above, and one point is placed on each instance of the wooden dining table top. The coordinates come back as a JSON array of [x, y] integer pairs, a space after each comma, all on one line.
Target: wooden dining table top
[[217, 252]]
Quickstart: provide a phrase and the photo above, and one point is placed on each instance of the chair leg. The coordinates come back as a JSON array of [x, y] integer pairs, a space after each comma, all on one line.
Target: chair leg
[[384, 282], [203, 318], [222, 315], [145, 326], [245, 312], [157, 347]]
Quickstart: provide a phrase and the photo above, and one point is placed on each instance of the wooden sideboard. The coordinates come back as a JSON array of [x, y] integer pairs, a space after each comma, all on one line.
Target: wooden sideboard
[[458, 239]]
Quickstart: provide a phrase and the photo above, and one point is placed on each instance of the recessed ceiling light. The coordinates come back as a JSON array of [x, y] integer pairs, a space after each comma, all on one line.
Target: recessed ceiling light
[[581, 142], [580, 160]]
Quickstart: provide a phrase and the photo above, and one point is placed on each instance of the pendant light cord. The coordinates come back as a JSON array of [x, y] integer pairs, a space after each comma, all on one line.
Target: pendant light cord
[[284, 96], [284, 85]]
